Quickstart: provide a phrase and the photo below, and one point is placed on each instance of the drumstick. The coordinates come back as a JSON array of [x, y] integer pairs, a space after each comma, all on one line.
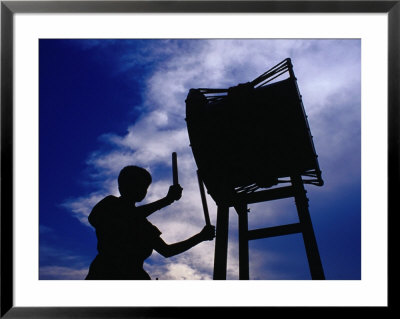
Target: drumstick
[[174, 169], [203, 200]]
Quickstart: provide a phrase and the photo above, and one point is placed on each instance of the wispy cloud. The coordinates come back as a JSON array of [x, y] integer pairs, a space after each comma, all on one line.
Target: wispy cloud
[[62, 273], [60, 263], [81, 207]]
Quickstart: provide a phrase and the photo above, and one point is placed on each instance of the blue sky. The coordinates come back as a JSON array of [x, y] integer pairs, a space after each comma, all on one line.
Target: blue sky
[[104, 104]]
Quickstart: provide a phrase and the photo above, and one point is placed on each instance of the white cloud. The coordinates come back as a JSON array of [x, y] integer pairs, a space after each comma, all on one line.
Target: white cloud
[[82, 206], [175, 271], [56, 261], [328, 72], [196, 263], [61, 273]]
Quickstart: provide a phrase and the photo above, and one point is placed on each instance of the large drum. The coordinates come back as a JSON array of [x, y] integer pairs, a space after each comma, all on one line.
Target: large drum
[[251, 136]]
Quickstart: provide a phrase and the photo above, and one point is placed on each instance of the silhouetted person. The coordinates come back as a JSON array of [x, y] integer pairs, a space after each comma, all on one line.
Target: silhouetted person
[[125, 236]]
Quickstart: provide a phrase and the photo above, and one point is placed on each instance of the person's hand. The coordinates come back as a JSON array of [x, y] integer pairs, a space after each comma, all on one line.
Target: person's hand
[[174, 193], [207, 233]]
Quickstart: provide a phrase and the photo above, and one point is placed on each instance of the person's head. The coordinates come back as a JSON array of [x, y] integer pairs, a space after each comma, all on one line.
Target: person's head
[[133, 182]]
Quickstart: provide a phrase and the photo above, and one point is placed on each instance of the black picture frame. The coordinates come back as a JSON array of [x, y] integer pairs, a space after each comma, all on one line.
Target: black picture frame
[[9, 8]]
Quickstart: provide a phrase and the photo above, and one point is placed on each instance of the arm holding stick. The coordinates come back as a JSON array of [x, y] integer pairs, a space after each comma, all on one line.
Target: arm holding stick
[[207, 233], [169, 250], [174, 192]]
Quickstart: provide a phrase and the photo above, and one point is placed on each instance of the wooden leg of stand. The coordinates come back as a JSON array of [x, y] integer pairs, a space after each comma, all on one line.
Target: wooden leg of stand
[[221, 243], [310, 243], [243, 242]]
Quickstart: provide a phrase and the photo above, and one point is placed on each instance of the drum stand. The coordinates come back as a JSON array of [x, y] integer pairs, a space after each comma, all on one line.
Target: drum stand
[[304, 226]]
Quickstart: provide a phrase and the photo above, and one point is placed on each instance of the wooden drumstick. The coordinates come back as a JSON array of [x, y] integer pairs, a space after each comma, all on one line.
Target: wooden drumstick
[[175, 169], [203, 200]]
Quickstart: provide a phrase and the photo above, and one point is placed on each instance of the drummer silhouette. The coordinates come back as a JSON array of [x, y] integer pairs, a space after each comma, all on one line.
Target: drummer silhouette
[[125, 238]]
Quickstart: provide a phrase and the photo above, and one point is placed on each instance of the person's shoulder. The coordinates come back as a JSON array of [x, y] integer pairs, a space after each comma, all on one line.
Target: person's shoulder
[[111, 199], [100, 210], [107, 201]]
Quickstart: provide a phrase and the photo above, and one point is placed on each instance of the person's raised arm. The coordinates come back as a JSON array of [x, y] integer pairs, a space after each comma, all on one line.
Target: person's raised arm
[[168, 250], [174, 194]]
